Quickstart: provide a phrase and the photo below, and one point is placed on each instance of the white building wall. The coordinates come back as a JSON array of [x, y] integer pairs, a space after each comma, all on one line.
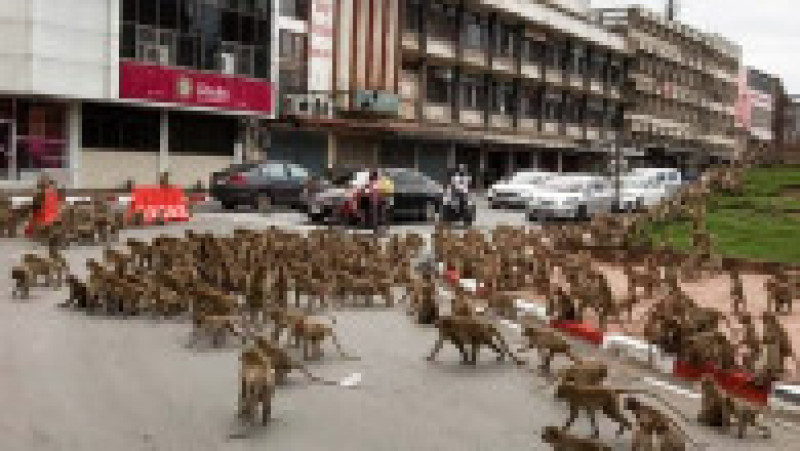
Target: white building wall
[[60, 48]]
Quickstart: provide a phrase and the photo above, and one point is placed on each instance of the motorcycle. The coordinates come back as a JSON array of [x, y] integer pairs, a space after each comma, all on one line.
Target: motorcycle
[[455, 209]]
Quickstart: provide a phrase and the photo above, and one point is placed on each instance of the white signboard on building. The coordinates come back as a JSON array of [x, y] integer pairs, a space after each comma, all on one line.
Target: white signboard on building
[[320, 46]]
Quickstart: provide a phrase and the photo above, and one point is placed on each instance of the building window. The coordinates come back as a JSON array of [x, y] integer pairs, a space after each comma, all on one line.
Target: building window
[[293, 62], [553, 105], [412, 18], [613, 116], [473, 92], [533, 50], [41, 140], [616, 71], [504, 40], [554, 54], [574, 108], [503, 100], [595, 110], [442, 21], [576, 58], [531, 102], [598, 62], [296, 9], [439, 85], [230, 37], [475, 34]]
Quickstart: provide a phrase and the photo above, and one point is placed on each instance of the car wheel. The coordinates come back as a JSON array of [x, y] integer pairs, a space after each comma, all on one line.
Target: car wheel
[[263, 203]]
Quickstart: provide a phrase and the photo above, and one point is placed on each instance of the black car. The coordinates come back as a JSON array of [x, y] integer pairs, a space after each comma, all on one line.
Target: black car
[[415, 196], [261, 185]]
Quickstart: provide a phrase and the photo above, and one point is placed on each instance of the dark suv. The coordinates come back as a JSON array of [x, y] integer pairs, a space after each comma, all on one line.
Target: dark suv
[[262, 185]]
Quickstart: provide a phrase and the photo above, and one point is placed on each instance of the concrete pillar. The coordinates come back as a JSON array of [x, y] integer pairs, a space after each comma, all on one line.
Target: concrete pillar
[[238, 151], [560, 161], [74, 132], [163, 142], [451, 156], [482, 163], [331, 150], [510, 164], [536, 160]]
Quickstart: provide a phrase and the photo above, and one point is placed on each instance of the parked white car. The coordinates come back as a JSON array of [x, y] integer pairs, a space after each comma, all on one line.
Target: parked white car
[[571, 196], [638, 192], [515, 191], [670, 178]]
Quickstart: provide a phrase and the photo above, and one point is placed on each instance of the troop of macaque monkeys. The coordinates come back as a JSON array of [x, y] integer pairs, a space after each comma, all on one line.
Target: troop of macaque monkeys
[[243, 284]]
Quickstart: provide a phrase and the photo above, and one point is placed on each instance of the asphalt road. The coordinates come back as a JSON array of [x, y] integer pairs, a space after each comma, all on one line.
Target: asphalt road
[[74, 382]]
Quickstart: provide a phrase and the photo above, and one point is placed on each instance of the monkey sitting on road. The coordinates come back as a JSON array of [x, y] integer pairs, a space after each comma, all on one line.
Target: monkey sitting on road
[[257, 385], [652, 424], [24, 280], [562, 441]]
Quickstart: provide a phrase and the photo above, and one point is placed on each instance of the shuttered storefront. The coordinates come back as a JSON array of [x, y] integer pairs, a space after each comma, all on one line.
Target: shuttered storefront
[[396, 154], [433, 160], [308, 149]]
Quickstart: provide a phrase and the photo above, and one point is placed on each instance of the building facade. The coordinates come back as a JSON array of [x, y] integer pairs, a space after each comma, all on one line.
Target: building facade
[[96, 92], [684, 89], [495, 85]]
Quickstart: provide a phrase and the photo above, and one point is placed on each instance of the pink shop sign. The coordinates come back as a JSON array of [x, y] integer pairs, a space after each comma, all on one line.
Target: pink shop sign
[[174, 85]]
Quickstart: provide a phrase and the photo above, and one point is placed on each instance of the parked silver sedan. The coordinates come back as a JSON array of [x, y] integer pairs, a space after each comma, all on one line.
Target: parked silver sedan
[[571, 196]]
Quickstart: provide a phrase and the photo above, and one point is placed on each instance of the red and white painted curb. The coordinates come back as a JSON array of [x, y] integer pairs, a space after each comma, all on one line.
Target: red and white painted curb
[[782, 397]]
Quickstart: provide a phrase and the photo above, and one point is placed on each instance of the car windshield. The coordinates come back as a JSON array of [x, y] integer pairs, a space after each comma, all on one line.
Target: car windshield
[[528, 178], [566, 186], [636, 183]]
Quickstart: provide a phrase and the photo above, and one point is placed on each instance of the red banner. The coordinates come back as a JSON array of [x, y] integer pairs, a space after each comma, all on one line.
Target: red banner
[[174, 85]]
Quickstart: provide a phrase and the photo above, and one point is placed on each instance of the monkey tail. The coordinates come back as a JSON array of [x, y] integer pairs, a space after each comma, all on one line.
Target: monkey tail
[[339, 349]]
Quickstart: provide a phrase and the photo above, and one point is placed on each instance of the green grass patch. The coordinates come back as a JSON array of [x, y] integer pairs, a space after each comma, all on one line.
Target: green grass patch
[[764, 224]]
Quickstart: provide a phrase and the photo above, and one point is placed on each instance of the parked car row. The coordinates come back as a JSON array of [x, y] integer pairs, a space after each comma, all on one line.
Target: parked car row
[[541, 194], [546, 195]]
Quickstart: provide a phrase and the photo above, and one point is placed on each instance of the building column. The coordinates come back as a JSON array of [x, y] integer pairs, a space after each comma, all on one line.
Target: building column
[[451, 156], [560, 161], [163, 142], [416, 155], [74, 131], [331, 150], [484, 155], [510, 163], [536, 159]]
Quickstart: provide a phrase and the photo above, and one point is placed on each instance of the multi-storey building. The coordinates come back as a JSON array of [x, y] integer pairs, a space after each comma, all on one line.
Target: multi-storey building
[[758, 115], [100, 91], [497, 85], [684, 88]]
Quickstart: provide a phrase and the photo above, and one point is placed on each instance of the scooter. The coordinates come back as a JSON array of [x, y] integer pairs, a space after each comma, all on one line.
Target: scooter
[[454, 210]]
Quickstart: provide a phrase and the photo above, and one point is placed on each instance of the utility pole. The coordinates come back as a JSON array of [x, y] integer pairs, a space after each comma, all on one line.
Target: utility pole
[[671, 10]]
